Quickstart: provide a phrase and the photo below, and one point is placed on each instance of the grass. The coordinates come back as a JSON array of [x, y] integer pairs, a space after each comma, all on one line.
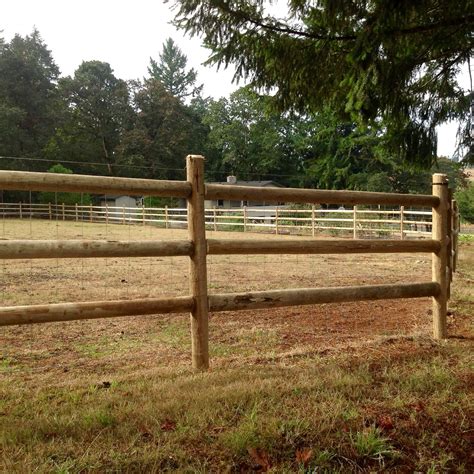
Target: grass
[[332, 388], [187, 422], [371, 444]]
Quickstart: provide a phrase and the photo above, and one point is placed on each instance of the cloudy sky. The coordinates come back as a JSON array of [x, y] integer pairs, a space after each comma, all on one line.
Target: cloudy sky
[[125, 34]]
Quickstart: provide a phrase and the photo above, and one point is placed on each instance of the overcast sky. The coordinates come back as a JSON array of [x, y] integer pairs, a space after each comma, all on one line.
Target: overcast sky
[[125, 34]]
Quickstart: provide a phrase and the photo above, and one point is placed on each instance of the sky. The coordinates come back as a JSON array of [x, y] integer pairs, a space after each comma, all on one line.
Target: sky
[[126, 34]]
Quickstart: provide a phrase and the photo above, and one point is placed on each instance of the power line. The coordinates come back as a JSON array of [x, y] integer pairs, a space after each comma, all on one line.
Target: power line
[[71, 162], [161, 168]]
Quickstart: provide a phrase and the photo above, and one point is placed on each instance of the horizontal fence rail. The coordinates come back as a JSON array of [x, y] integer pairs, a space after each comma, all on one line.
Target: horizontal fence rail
[[54, 182], [18, 249], [10, 315], [443, 221], [316, 196], [218, 302], [233, 247], [305, 296], [33, 249]]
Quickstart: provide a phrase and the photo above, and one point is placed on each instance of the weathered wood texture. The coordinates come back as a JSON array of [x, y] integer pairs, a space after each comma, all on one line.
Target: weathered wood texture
[[198, 268], [449, 250], [315, 196], [440, 259], [18, 249], [293, 246], [22, 180], [456, 229], [92, 310], [305, 296]]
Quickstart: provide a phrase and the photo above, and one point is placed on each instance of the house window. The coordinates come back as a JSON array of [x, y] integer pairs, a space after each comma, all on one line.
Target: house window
[[220, 202]]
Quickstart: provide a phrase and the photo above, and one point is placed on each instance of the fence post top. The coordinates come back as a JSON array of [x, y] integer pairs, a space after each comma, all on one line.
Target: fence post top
[[440, 178], [195, 157]]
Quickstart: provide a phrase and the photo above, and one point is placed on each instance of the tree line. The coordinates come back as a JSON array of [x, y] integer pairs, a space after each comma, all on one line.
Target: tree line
[[95, 123]]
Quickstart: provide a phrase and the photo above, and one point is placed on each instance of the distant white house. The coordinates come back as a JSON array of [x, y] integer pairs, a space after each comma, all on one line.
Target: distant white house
[[121, 201], [232, 180], [127, 205]]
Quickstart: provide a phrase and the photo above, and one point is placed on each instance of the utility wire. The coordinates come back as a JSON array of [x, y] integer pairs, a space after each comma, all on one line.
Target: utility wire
[[161, 168], [113, 165]]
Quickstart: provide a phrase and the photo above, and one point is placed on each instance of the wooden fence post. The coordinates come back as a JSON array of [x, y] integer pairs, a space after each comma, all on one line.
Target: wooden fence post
[[50, 211], [90, 212], [455, 234], [312, 220], [63, 211], [143, 214], [198, 270], [214, 216], [276, 220], [21, 211], [166, 217], [354, 223], [402, 222], [77, 213], [439, 260], [449, 250], [245, 218]]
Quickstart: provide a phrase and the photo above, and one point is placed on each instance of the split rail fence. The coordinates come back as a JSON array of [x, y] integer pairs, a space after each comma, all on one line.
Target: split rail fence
[[442, 246], [312, 221]]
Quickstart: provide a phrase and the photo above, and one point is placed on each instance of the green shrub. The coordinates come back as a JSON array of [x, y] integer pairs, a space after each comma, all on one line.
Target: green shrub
[[465, 199], [66, 198]]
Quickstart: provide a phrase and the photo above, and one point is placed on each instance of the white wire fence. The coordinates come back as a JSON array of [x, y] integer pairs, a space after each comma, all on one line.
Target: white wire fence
[[312, 221]]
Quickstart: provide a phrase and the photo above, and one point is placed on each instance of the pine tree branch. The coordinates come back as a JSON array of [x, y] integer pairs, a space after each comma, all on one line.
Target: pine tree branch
[[283, 28]]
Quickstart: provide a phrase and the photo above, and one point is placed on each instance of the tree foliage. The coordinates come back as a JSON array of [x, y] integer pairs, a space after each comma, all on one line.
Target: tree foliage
[[171, 72], [465, 199], [97, 123], [97, 114], [28, 95], [372, 61]]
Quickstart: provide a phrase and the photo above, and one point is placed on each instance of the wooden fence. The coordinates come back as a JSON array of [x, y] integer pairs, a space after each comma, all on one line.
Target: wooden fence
[[442, 246], [312, 221]]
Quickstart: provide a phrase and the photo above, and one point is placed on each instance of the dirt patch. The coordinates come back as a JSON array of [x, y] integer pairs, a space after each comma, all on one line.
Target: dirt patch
[[123, 345]]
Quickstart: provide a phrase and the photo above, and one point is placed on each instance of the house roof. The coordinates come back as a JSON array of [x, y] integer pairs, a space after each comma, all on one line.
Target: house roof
[[260, 184]]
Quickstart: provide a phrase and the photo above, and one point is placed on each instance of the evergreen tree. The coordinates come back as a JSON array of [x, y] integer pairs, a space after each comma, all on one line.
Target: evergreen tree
[[373, 60], [171, 72], [28, 96]]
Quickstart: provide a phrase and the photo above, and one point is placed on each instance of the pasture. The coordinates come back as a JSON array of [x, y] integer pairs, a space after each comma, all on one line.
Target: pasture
[[328, 388]]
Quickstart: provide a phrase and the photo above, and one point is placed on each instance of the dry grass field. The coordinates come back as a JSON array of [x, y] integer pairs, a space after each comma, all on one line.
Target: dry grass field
[[355, 387]]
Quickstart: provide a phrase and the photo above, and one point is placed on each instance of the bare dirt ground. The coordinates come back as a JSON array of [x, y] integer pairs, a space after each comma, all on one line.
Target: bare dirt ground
[[77, 347]]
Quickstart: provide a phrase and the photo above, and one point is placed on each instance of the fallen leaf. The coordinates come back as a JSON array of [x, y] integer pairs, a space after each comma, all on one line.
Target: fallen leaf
[[303, 456], [385, 422], [260, 458], [145, 433], [168, 425], [418, 406]]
